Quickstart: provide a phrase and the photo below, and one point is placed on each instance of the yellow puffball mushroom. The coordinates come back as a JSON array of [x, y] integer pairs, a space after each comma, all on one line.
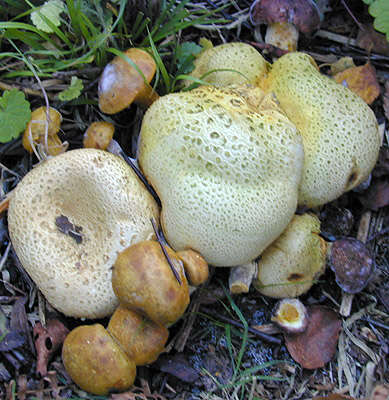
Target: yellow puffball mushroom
[[226, 171], [69, 218], [230, 64], [290, 265], [339, 130]]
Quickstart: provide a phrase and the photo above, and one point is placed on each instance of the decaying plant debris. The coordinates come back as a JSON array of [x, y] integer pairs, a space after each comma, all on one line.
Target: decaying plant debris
[[224, 345]]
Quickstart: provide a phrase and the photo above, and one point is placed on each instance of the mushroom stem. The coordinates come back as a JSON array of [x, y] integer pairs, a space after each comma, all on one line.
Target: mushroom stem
[[241, 277], [282, 35]]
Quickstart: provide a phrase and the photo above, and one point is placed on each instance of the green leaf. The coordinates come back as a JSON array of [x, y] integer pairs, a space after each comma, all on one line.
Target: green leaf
[[73, 91], [186, 54], [50, 11], [379, 9], [15, 112]]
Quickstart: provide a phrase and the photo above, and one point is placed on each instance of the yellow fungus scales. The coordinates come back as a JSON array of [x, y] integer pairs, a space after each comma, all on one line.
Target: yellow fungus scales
[[339, 130], [226, 171]]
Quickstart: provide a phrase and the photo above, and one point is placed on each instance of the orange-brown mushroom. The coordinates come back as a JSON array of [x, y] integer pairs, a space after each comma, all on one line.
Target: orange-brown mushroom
[[143, 340], [42, 131], [121, 84], [98, 135], [143, 281], [195, 266]]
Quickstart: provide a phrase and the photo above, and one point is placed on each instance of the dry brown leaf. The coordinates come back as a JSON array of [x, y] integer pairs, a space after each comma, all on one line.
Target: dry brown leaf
[[361, 80], [372, 41], [317, 344], [47, 340]]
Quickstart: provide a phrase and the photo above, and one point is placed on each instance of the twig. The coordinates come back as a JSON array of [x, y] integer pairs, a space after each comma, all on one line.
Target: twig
[[31, 92], [352, 15], [160, 241]]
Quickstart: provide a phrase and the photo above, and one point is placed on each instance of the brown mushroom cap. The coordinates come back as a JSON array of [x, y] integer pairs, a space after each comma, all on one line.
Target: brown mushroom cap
[[97, 194], [144, 282], [304, 14], [98, 135], [35, 132], [121, 84], [95, 362], [196, 268], [143, 340]]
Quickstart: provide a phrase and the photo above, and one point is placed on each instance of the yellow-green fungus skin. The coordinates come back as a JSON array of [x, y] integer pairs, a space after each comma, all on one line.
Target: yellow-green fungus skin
[[226, 164], [339, 130]]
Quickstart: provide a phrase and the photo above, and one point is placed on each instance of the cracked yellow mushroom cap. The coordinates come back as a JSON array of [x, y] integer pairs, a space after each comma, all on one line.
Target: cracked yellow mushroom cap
[[244, 63], [226, 171], [69, 218], [290, 265], [339, 130]]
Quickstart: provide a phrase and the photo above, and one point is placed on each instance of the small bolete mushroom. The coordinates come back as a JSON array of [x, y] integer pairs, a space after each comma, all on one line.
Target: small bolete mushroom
[[142, 339], [121, 83], [285, 19], [230, 64], [143, 281], [69, 218], [339, 130], [96, 362], [98, 135], [290, 265], [226, 171], [42, 131], [196, 268]]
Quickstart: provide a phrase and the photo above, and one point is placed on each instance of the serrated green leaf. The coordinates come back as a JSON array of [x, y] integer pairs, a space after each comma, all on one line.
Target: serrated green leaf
[[368, 1], [73, 91], [15, 112], [186, 54], [51, 10]]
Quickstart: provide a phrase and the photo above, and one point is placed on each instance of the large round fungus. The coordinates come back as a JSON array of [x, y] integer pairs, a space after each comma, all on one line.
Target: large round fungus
[[229, 64], [226, 171], [69, 218], [340, 132]]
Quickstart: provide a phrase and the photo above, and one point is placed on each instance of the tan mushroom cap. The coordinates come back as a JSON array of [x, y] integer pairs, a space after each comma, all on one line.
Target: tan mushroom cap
[[226, 172], [339, 130], [96, 191], [121, 84], [245, 62], [289, 266]]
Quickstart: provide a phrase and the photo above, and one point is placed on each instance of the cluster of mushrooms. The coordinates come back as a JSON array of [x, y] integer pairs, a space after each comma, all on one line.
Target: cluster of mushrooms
[[230, 162]]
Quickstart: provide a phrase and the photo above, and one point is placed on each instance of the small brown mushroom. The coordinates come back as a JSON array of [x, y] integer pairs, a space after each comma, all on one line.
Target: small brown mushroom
[[196, 268], [142, 339], [121, 84], [285, 19], [98, 135], [42, 131], [143, 281], [95, 362]]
